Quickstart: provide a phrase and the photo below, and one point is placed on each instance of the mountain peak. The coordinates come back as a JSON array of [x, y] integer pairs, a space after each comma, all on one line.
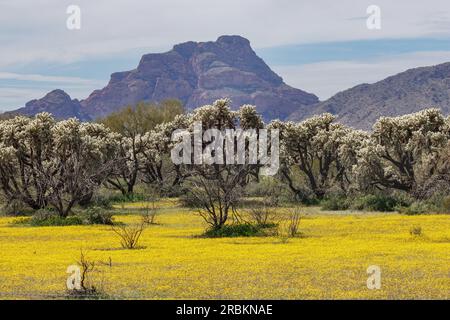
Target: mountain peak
[[54, 96], [407, 92], [233, 40], [57, 102], [198, 73]]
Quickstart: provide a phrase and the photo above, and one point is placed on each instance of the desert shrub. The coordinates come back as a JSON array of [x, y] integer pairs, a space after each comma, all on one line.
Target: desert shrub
[[86, 288], [418, 208], [237, 230], [294, 221], [187, 201], [149, 210], [283, 233], [132, 197], [289, 228], [16, 208], [44, 214], [149, 213], [382, 203], [129, 234], [446, 204], [97, 215], [54, 220], [335, 203], [100, 201], [309, 201], [438, 203], [48, 218], [415, 231], [263, 213], [270, 189]]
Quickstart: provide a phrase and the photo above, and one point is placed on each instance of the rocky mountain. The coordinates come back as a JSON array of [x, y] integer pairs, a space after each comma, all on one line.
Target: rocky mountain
[[197, 73], [407, 92], [56, 102]]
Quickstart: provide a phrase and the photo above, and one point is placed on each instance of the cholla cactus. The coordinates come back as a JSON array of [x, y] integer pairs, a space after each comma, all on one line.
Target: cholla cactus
[[44, 162], [218, 115], [156, 167], [215, 189], [403, 151], [323, 151]]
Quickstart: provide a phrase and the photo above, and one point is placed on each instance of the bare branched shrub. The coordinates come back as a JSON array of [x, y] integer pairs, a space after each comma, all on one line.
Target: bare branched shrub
[[216, 197], [415, 231], [262, 214], [129, 234], [282, 232], [149, 210], [289, 227], [149, 214], [294, 221], [86, 287], [87, 267]]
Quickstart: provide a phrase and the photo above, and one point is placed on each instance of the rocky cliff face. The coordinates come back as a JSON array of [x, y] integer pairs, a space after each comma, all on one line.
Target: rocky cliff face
[[407, 92], [195, 73], [199, 73]]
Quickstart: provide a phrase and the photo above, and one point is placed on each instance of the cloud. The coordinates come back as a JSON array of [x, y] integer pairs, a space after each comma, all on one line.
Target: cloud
[[16, 89], [330, 77], [13, 97], [36, 31], [35, 41], [45, 78]]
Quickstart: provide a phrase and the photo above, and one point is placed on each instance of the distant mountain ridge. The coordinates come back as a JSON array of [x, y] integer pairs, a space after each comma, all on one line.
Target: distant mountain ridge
[[407, 92], [57, 102], [197, 73]]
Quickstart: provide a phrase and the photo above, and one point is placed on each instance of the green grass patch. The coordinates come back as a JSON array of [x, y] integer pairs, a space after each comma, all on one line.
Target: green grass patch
[[238, 230]]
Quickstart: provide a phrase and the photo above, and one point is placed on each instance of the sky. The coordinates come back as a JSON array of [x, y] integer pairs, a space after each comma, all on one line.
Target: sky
[[321, 46]]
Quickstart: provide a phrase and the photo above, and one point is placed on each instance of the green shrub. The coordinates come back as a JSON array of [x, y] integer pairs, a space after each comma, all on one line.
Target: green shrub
[[16, 208], [44, 214], [186, 200], [309, 201], [45, 217], [237, 230], [418, 208], [335, 203], [271, 189], [97, 215], [55, 221], [100, 201], [120, 198], [446, 204], [378, 203], [437, 204]]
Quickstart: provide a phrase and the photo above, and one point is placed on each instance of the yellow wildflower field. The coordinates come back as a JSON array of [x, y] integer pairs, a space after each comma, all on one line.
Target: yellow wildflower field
[[329, 260]]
